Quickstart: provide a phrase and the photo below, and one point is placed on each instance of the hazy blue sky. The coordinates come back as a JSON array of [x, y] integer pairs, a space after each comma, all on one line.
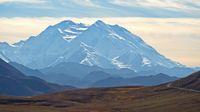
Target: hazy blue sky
[[100, 8], [170, 26]]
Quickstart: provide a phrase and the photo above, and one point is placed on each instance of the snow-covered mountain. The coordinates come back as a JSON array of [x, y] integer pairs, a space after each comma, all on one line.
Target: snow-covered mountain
[[100, 44]]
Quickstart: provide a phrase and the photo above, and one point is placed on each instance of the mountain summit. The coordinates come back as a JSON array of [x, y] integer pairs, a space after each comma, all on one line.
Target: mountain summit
[[100, 44]]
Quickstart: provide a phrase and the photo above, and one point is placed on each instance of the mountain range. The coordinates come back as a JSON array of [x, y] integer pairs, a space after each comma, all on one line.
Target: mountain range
[[182, 95], [114, 70], [15, 83], [84, 76], [97, 45], [151, 80]]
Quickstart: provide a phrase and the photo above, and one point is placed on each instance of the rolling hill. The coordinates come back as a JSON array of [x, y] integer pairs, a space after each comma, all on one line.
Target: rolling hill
[[191, 82], [162, 98]]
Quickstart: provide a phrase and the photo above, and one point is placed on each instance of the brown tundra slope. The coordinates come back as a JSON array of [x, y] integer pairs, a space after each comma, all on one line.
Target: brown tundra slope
[[168, 97], [190, 82]]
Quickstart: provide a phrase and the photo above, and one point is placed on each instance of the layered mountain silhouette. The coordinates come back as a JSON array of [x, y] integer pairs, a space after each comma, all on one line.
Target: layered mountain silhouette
[[183, 97], [100, 44], [85, 76], [139, 81], [14, 82]]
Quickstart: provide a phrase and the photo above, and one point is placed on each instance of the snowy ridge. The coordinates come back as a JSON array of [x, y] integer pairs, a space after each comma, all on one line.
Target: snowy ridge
[[70, 30], [100, 44], [2, 56]]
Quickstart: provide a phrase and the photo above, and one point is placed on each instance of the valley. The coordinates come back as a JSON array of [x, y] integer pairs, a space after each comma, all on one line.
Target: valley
[[117, 99]]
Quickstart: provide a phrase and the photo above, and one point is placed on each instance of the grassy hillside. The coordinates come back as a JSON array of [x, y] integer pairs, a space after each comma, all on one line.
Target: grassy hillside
[[124, 99], [190, 82]]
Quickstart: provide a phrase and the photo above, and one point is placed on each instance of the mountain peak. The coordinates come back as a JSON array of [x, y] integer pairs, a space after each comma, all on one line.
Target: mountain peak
[[66, 22], [102, 44], [100, 23], [4, 43]]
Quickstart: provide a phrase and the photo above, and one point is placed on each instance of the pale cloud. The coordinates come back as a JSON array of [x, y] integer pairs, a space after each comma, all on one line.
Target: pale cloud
[[178, 39], [23, 1], [86, 3], [167, 4], [100, 8]]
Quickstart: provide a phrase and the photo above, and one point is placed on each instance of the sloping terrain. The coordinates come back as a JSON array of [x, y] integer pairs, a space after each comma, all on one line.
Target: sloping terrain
[[190, 82], [120, 99], [14, 82], [27, 71], [127, 99]]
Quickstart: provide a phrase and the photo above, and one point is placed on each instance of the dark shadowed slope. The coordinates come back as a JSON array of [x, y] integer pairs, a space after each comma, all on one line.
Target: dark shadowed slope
[[27, 71], [14, 82], [191, 82]]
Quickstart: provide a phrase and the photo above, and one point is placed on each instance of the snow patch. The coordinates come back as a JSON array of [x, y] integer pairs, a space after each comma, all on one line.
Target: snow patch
[[146, 61], [60, 30], [69, 38], [90, 56], [118, 63], [114, 35], [72, 32], [82, 29]]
